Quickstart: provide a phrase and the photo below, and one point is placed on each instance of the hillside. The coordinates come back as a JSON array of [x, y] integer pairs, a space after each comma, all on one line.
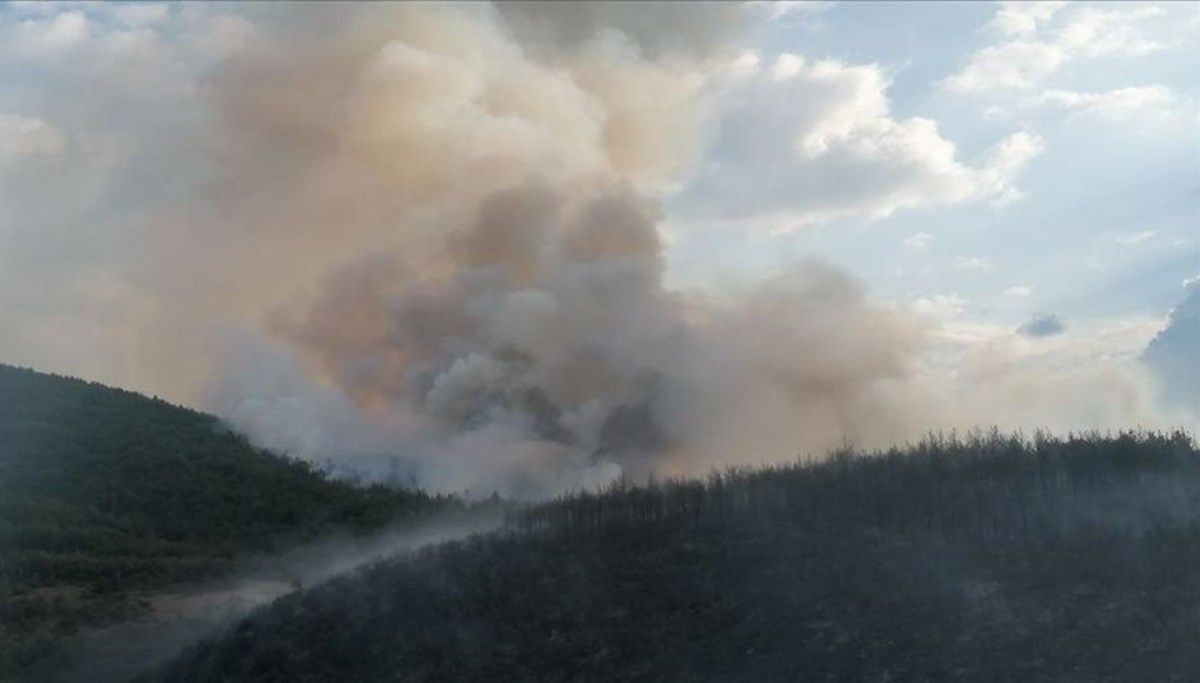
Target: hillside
[[991, 559], [106, 492]]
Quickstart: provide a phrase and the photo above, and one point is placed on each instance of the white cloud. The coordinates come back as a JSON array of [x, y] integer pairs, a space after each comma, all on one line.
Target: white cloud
[[942, 307], [1188, 282], [139, 14], [1023, 18], [1135, 238], [1043, 48], [1123, 104], [1018, 65], [804, 142], [787, 66], [974, 263], [917, 241], [1113, 31], [1017, 292], [1005, 163], [1034, 52], [22, 136], [47, 37], [745, 64], [781, 9]]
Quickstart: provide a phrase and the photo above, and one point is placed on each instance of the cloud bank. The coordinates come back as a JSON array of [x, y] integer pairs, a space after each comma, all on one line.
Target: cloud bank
[[1041, 47], [804, 142]]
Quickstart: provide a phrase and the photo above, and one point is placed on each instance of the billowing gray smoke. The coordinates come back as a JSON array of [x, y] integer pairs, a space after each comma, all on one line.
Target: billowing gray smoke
[[502, 322], [544, 351], [546, 324], [422, 241]]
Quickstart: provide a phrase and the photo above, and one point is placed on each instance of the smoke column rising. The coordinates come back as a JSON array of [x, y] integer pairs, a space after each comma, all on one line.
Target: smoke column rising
[[427, 236], [516, 336]]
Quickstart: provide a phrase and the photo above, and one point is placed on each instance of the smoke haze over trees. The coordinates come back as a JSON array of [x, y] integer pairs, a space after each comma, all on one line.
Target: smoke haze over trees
[[105, 493], [702, 295], [990, 558]]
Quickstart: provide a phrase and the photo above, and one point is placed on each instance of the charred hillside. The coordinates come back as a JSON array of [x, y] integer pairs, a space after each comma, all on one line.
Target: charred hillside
[[993, 558], [104, 492]]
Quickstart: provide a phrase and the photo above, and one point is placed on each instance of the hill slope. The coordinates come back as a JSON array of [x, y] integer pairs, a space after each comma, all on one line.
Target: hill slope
[[996, 559], [104, 491]]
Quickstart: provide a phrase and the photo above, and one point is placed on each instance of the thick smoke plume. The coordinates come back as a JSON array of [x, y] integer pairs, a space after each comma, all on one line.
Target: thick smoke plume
[[496, 318], [503, 324], [431, 233]]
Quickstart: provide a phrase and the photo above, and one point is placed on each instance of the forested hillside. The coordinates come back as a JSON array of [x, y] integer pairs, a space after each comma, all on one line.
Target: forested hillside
[[104, 492], [989, 559]]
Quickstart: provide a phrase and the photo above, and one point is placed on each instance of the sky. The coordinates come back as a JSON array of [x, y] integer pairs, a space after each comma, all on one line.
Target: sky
[[1098, 216], [1020, 181]]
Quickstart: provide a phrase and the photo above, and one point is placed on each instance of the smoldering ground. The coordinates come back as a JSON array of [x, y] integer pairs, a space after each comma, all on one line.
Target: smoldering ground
[[423, 240]]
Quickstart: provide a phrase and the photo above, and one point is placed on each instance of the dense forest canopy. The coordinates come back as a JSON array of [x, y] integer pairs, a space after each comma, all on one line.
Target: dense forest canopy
[[987, 559], [104, 491], [978, 558]]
